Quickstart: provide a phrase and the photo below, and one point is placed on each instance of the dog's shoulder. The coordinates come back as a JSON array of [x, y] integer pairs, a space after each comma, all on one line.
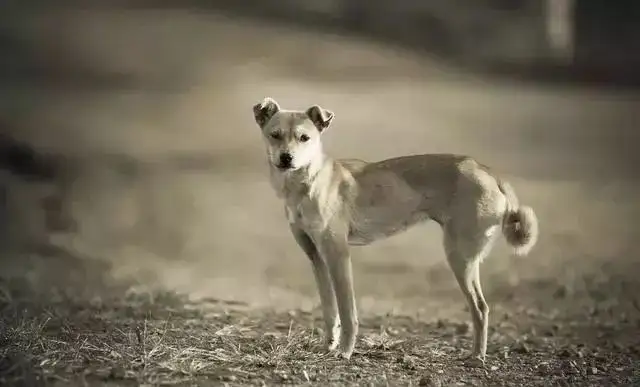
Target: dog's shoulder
[[350, 167], [353, 166]]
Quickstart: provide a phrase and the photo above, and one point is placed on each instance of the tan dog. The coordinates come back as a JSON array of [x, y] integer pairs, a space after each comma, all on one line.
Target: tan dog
[[331, 204]]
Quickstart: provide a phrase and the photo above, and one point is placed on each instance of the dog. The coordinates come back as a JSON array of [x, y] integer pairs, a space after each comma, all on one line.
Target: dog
[[332, 204]]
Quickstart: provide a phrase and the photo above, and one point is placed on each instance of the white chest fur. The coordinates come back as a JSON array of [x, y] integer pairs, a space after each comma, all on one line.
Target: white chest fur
[[307, 214], [311, 200]]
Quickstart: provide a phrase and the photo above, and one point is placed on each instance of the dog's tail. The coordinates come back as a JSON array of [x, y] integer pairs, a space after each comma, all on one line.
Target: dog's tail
[[520, 223]]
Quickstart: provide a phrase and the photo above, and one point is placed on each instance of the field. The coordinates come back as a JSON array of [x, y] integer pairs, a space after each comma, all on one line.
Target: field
[[165, 257], [159, 339]]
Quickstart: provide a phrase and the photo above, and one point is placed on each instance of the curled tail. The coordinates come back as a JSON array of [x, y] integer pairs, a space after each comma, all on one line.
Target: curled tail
[[520, 224]]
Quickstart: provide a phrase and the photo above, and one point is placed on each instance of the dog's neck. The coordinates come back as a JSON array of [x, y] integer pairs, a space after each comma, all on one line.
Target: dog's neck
[[302, 181], [321, 189]]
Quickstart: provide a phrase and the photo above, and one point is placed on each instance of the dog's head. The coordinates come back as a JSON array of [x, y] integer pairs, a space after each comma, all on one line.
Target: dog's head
[[292, 137]]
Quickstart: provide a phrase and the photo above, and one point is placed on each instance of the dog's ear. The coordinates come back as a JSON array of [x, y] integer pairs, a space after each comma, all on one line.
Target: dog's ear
[[320, 117], [265, 110]]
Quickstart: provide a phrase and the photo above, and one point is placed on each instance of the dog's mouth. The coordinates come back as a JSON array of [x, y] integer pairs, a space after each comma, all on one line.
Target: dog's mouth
[[284, 167]]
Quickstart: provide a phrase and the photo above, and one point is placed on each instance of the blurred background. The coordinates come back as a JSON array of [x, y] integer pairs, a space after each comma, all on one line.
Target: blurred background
[[129, 154]]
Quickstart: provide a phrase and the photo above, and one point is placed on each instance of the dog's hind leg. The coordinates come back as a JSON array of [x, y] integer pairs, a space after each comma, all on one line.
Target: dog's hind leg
[[325, 288], [480, 335], [465, 249]]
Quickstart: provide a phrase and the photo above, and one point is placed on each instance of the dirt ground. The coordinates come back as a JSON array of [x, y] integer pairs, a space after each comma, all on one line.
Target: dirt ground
[[178, 267]]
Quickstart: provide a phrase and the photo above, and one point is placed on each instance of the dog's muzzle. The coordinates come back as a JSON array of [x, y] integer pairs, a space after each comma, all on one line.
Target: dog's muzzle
[[286, 161]]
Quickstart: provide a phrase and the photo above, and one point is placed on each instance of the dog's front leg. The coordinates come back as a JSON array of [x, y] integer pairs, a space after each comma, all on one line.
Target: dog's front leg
[[325, 287], [334, 248]]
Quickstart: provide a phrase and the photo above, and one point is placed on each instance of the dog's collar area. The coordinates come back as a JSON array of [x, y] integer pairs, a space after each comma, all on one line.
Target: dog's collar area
[[301, 180]]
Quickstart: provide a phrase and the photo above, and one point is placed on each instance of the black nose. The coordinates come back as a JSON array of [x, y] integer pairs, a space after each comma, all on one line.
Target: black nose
[[285, 160]]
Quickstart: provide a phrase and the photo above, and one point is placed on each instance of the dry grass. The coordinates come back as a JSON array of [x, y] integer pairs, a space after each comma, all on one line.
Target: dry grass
[[163, 339]]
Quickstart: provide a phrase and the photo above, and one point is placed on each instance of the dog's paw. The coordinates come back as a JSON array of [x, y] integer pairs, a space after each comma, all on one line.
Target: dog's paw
[[331, 345], [333, 339], [474, 361], [342, 355]]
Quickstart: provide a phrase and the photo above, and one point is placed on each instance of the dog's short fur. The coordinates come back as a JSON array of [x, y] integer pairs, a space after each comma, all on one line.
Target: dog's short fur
[[331, 204]]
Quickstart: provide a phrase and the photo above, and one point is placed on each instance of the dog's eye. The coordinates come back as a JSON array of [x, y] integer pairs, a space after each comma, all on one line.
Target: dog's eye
[[304, 138], [276, 136]]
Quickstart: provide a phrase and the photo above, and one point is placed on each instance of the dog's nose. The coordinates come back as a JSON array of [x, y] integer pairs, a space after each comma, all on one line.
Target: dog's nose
[[285, 160]]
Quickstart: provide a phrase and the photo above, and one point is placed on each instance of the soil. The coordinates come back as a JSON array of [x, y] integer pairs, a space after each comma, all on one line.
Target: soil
[[164, 339]]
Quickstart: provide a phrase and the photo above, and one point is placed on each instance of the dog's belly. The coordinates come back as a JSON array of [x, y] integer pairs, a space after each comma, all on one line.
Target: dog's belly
[[362, 236], [373, 223], [385, 205]]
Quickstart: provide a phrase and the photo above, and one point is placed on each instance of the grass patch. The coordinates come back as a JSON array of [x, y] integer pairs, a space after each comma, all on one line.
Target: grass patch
[[164, 339]]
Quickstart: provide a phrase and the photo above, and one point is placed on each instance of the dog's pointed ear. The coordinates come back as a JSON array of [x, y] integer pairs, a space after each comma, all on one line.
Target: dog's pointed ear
[[320, 117], [264, 110]]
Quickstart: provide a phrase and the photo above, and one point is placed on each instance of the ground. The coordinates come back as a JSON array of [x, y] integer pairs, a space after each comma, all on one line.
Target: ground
[[171, 261], [146, 338]]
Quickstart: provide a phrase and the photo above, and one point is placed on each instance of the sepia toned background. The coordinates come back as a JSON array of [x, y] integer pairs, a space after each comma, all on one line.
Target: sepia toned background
[[144, 166]]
